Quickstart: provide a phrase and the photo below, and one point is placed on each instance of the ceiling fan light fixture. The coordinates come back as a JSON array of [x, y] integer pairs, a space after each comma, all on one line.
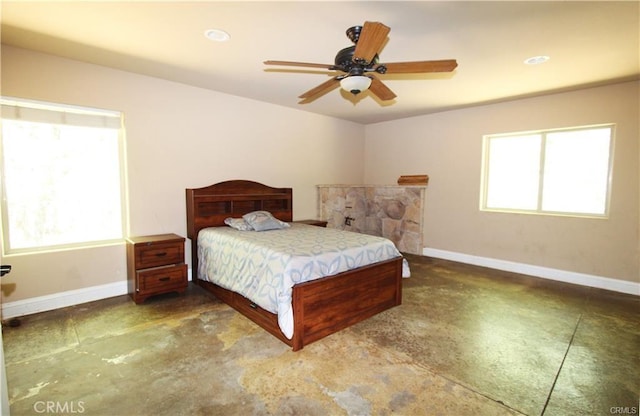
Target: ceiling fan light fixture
[[355, 84]]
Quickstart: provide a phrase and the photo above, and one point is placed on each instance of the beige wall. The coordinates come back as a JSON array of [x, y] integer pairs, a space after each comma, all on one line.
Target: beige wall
[[180, 136], [447, 146], [177, 137]]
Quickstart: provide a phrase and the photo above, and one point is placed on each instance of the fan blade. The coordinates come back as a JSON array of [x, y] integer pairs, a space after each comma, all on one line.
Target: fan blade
[[321, 89], [380, 90], [305, 64], [446, 65], [371, 39]]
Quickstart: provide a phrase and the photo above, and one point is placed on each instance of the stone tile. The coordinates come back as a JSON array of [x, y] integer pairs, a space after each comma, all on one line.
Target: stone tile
[[394, 212]]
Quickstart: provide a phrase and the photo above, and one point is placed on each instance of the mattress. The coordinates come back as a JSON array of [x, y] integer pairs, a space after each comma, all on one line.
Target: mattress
[[264, 266]]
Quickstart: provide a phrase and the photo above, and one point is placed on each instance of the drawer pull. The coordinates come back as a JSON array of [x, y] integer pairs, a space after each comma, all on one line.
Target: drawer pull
[[164, 253], [253, 305], [164, 279]]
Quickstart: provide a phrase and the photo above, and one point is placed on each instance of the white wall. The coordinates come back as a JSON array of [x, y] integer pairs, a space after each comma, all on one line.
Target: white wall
[[178, 137], [448, 146]]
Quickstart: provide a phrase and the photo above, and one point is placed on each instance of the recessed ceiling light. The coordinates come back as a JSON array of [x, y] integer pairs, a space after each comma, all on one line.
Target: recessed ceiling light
[[535, 60], [217, 35]]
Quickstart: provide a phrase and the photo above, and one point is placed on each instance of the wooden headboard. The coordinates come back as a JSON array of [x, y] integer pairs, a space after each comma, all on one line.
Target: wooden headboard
[[209, 206]]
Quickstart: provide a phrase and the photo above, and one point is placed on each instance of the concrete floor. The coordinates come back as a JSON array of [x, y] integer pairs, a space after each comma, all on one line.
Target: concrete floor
[[466, 341]]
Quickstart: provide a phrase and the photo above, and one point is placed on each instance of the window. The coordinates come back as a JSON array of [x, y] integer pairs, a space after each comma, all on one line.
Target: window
[[63, 176], [561, 172]]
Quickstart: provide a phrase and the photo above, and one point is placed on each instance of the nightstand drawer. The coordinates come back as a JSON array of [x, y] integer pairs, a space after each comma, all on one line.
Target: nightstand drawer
[[159, 254], [162, 278], [155, 265]]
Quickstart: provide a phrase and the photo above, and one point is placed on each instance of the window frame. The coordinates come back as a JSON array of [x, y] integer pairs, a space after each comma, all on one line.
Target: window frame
[[73, 111], [484, 174]]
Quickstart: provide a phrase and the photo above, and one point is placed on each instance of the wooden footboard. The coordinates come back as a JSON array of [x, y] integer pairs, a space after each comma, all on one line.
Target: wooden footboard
[[325, 306]]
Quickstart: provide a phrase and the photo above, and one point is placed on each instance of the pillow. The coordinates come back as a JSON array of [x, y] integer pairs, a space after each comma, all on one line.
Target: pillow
[[238, 224], [263, 221]]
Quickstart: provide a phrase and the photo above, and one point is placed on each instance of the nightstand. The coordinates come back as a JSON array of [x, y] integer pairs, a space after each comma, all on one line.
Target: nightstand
[[317, 223], [155, 265]]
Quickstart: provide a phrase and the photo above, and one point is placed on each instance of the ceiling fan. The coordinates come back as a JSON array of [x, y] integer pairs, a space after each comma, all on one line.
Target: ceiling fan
[[358, 64]]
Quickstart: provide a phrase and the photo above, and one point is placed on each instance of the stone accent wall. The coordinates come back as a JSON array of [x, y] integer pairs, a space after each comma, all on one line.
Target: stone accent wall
[[391, 211]]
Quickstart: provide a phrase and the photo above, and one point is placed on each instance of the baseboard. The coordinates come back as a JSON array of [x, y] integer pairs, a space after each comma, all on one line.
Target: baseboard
[[90, 294], [599, 282], [62, 299]]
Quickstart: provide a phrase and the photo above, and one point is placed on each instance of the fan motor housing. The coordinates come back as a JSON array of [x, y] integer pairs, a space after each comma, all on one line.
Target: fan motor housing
[[344, 60]]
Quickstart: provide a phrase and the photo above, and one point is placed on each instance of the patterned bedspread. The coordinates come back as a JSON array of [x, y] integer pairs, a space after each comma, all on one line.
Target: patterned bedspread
[[264, 266]]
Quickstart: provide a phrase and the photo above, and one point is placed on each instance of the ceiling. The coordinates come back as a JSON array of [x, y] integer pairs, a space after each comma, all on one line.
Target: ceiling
[[589, 43]]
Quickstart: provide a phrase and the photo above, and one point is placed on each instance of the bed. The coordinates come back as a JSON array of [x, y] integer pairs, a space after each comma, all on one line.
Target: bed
[[320, 307]]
